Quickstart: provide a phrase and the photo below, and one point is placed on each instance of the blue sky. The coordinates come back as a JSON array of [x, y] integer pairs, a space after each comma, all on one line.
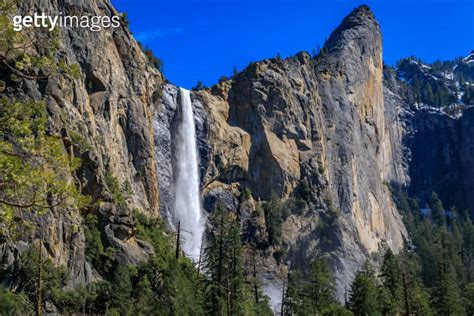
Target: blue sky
[[204, 39]]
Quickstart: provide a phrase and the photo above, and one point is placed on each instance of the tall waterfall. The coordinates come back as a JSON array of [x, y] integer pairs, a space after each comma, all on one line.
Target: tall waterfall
[[187, 206]]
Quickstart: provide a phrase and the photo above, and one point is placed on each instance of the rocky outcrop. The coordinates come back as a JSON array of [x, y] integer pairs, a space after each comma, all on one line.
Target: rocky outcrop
[[352, 98], [441, 148], [466, 154], [105, 119], [433, 144], [321, 121]]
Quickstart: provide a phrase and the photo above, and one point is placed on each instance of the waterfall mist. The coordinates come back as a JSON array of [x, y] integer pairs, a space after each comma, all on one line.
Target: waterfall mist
[[187, 206]]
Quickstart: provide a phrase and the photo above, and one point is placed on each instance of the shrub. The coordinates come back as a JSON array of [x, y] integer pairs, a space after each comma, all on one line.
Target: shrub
[[102, 258], [247, 193]]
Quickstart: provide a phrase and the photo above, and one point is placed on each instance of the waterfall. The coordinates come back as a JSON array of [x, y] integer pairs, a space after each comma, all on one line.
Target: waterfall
[[187, 206]]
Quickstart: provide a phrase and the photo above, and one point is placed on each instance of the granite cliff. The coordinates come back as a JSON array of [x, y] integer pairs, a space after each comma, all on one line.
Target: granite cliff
[[318, 121], [334, 131], [105, 118]]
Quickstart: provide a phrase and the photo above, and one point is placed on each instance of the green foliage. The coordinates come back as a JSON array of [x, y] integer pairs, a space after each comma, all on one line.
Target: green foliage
[[276, 210], [34, 166], [321, 169], [469, 298], [163, 285], [275, 213], [444, 66], [313, 294], [84, 299], [303, 191], [80, 142], [118, 191], [223, 79], [437, 210], [226, 291], [152, 59], [246, 193], [102, 258], [320, 53], [36, 174], [446, 296], [175, 282], [199, 86], [235, 72], [364, 293], [124, 19], [35, 169], [31, 53], [391, 277], [14, 304], [419, 87], [401, 292], [327, 225], [52, 278], [443, 260], [468, 96], [223, 263]]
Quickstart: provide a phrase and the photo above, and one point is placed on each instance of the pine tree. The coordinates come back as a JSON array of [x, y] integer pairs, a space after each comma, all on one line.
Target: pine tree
[[363, 299], [199, 86], [226, 291], [415, 300], [314, 293], [321, 290], [446, 295], [293, 303], [437, 210], [420, 302], [273, 220], [469, 298], [145, 304], [35, 166], [390, 276], [468, 247], [443, 259], [429, 94]]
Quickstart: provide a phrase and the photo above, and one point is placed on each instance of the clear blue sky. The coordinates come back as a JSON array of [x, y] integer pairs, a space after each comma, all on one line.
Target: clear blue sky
[[204, 39]]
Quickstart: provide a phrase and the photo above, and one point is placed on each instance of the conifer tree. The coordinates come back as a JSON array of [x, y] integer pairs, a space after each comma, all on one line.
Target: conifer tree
[[390, 276], [363, 299], [415, 299], [469, 298], [314, 294], [226, 291], [437, 209], [446, 295], [321, 290]]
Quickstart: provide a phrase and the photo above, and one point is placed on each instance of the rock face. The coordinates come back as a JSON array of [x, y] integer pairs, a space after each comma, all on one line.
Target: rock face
[[320, 121], [336, 125], [467, 158], [435, 141], [110, 109], [442, 150]]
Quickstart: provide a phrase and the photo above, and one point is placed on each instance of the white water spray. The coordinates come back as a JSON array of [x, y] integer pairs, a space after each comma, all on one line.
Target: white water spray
[[187, 206]]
